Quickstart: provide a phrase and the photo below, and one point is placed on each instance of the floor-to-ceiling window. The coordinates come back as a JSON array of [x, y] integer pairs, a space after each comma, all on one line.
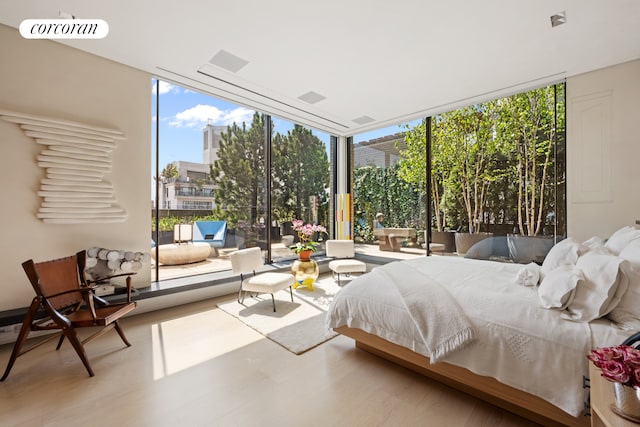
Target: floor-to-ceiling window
[[389, 192], [498, 173], [494, 175], [210, 164], [211, 160]]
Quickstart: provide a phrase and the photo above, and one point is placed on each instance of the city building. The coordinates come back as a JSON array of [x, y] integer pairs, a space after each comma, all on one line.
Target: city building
[[193, 188]]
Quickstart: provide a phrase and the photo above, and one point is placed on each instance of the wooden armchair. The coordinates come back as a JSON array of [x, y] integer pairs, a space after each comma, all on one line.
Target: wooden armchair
[[68, 301]]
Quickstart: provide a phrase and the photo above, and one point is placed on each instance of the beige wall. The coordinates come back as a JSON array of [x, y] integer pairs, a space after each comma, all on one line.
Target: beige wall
[[603, 150], [47, 78]]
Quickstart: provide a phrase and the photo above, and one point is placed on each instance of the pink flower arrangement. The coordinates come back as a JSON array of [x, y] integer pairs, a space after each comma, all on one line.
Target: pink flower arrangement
[[305, 232], [619, 364]]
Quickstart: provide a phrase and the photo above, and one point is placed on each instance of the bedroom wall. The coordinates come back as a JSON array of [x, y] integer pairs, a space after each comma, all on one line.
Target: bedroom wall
[[46, 78], [603, 150]]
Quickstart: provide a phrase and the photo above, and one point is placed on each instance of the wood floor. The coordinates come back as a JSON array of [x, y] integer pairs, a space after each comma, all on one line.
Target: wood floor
[[194, 365]]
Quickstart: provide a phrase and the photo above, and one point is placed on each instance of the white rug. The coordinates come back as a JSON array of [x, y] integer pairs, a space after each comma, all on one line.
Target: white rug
[[297, 326]]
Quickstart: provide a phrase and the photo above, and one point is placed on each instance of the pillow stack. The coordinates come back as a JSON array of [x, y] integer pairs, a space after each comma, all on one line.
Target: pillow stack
[[594, 279]]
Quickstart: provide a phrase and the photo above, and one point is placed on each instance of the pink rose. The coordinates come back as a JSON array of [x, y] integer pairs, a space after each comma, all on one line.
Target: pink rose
[[635, 377], [631, 356], [615, 371], [600, 355]]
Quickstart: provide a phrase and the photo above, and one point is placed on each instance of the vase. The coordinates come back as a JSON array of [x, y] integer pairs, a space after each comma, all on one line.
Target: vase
[[305, 271], [626, 401]]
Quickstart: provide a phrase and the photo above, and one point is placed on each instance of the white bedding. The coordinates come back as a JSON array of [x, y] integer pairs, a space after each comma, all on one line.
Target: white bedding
[[517, 342]]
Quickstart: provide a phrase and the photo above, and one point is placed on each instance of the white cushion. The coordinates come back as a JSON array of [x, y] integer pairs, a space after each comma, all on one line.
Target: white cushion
[[601, 290], [565, 252], [558, 288], [340, 248], [621, 238], [246, 260], [627, 314], [268, 282], [347, 266]]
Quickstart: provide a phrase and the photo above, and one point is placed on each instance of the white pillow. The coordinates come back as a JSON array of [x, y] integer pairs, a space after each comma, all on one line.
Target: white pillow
[[558, 288], [601, 290], [596, 244], [621, 238], [627, 314], [565, 252], [631, 252]]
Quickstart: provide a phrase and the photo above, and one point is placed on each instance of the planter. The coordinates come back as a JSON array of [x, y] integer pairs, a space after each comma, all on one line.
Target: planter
[[305, 255], [626, 401], [526, 249], [446, 238], [464, 241]]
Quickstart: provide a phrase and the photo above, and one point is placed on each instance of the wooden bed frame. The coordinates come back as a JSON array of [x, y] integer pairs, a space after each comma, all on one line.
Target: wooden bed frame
[[486, 388]]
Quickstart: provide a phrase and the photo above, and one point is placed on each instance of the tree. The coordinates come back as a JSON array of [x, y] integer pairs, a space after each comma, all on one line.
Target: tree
[[239, 173], [412, 169], [300, 173], [527, 127], [466, 145], [170, 171]]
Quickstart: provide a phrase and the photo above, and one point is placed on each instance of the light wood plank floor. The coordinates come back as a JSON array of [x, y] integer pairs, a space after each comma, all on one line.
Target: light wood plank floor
[[194, 365]]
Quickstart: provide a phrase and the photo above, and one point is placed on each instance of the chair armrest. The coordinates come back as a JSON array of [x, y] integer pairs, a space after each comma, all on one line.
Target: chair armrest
[[111, 277], [127, 282], [84, 289]]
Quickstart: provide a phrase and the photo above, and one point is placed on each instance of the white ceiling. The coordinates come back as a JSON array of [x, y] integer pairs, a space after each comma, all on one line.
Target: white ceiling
[[392, 61]]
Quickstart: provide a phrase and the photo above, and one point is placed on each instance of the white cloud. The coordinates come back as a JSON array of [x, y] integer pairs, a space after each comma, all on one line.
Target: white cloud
[[238, 115], [199, 116], [164, 88]]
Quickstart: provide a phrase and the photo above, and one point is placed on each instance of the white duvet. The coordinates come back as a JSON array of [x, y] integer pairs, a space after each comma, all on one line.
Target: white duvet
[[516, 341]]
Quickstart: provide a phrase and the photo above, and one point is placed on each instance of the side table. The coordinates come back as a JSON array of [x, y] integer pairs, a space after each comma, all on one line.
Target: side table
[[601, 401]]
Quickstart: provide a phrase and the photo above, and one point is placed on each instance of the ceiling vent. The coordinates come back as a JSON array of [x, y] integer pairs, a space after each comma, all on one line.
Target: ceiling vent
[[228, 61], [311, 97], [558, 19], [363, 120]]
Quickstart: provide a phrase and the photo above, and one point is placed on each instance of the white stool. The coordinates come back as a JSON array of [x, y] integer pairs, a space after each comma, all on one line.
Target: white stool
[[343, 249]]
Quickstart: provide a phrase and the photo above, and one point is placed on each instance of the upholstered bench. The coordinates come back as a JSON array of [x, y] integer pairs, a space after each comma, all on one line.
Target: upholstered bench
[[344, 250]]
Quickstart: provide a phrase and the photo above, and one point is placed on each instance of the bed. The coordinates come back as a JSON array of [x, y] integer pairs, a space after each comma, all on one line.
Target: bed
[[507, 349]]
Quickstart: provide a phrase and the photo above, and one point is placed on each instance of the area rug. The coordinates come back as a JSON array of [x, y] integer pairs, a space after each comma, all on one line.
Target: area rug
[[298, 326]]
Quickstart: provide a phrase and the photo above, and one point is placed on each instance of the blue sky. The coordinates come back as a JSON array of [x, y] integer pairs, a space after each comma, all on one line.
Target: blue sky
[[184, 113]]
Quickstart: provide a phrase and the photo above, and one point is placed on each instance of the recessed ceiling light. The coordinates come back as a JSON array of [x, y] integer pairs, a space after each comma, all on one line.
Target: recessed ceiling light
[[363, 120], [228, 61], [558, 19], [311, 97]]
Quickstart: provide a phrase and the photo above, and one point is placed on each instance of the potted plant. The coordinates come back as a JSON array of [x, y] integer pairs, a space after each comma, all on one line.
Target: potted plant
[[306, 245]]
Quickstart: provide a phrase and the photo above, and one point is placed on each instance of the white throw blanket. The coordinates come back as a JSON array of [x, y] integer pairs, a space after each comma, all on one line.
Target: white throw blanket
[[439, 319]]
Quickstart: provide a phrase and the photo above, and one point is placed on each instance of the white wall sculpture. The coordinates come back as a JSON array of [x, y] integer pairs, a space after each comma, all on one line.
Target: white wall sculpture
[[76, 159]]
